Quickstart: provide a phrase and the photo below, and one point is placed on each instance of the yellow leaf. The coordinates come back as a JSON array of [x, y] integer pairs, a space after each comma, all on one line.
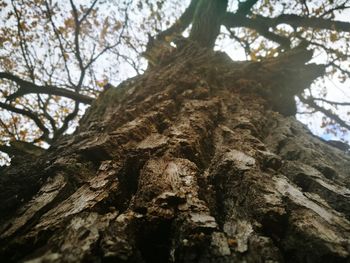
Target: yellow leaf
[[253, 56], [168, 39], [23, 133], [102, 83], [333, 37], [69, 23], [117, 25]]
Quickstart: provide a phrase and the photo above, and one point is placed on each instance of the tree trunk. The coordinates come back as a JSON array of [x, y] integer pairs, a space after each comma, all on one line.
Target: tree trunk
[[190, 162]]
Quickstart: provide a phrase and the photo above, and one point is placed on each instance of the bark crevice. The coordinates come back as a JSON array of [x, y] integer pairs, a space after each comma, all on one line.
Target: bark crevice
[[187, 163]]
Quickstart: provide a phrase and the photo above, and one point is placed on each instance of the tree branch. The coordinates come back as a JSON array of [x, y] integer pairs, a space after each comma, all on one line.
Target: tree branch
[[8, 150], [181, 24], [76, 37], [88, 11], [238, 20], [314, 22], [327, 113], [43, 106], [26, 87], [21, 148], [66, 121], [244, 7], [59, 38], [332, 102], [206, 23], [30, 115], [23, 43], [346, 72]]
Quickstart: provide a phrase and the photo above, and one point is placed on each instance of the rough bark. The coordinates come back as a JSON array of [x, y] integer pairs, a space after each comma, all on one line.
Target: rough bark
[[190, 162]]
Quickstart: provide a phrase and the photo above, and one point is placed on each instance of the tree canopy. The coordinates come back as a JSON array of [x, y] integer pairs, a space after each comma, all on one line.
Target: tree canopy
[[57, 56]]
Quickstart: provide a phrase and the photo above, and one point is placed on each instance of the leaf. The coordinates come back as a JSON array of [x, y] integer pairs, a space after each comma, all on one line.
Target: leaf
[[69, 23], [253, 56], [117, 25], [168, 38], [101, 83], [104, 30], [333, 37], [23, 134]]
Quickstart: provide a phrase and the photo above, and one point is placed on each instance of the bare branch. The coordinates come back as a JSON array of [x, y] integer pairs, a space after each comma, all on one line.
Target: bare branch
[[22, 42], [43, 106], [30, 115], [342, 6], [6, 128], [332, 102], [327, 113], [88, 11], [76, 38], [306, 7], [59, 38], [346, 72], [66, 121], [27, 87]]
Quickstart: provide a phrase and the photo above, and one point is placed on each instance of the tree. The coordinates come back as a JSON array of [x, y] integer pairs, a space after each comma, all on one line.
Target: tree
[[199, 159]]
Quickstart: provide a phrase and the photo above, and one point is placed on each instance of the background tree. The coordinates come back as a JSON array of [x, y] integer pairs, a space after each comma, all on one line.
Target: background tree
[[197, 159]]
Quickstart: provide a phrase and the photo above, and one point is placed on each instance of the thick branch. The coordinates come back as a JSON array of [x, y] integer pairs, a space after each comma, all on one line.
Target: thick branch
[[283, 41], [27, 87], [8, 150], [182, 23], [207, 21], [238, 20], [173, 33], [314, 22], [21, 148], [244, 7]]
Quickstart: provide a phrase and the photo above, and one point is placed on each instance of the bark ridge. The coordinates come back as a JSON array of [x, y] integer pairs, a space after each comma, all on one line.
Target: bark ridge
[[197, 160]]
